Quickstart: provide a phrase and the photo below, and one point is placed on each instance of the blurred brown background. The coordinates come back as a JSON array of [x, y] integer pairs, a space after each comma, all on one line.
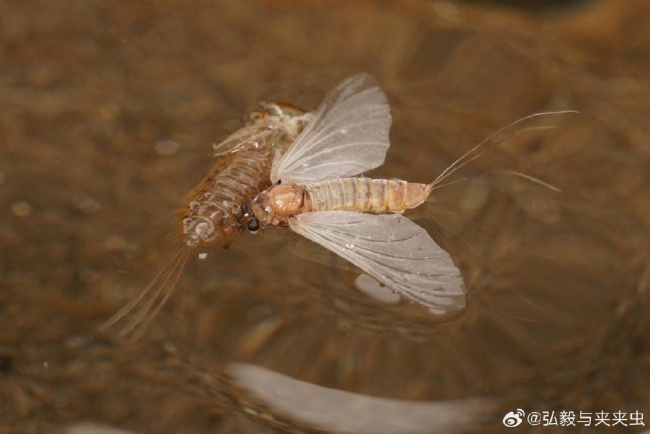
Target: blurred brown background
[[107, 115]]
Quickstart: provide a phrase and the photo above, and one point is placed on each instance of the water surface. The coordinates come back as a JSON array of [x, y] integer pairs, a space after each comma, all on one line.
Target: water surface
[[108, 113]]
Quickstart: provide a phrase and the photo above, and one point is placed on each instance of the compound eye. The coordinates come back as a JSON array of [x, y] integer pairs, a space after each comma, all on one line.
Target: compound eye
[[253, 225]]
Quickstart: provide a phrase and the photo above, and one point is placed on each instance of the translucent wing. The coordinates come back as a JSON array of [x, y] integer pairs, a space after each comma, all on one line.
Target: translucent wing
[[246, 136], [393, 250], [347, 135]]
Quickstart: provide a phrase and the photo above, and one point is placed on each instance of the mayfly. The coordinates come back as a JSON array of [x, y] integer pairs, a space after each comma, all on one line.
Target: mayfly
[[213, 210], [301, 170], [317, 192]]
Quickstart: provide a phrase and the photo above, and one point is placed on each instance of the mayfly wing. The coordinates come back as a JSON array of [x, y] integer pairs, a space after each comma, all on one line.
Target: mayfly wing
[[392, 249], [347, 135], [304, 248], [246, 136], [133, 319]]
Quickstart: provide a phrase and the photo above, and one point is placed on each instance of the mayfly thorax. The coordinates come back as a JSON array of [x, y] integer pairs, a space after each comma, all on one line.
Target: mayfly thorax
[[302, 170]]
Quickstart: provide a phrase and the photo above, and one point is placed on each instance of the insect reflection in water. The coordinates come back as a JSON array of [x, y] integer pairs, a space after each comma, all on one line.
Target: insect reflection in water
[[292, 168]]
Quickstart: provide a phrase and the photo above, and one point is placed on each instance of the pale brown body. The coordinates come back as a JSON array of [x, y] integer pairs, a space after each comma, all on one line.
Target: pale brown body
[[376, 196], [213, 210]]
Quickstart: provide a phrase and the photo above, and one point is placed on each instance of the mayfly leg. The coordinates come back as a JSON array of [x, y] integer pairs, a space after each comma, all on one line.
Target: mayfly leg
[[139, 313]]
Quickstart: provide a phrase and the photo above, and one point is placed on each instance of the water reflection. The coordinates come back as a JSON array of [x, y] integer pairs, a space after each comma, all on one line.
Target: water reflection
[[336, 410]]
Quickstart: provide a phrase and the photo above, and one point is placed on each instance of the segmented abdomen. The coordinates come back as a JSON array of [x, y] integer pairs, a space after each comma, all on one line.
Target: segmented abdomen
[[213, 209], [378, 196]]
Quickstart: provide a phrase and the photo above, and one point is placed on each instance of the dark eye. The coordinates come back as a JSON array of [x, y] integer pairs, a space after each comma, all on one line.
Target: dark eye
[[279, 182], [253, 225]]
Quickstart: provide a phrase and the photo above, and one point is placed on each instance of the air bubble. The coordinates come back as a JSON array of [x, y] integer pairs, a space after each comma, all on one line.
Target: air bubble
[[376, 290], [437, 311]]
